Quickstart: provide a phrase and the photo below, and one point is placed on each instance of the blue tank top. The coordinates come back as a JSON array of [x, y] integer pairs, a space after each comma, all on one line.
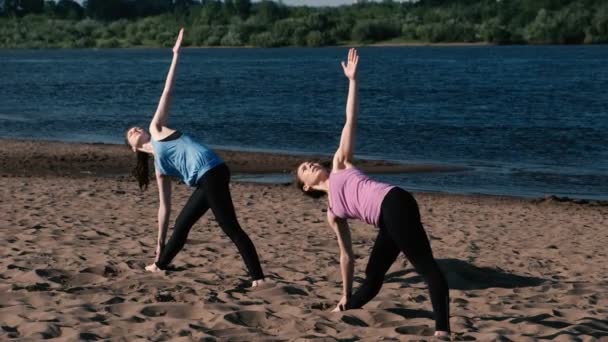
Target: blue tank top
[[184, 158]]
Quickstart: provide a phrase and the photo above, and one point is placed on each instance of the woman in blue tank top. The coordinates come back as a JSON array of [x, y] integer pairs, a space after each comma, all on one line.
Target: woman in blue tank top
[[182, 156], [353, 195]]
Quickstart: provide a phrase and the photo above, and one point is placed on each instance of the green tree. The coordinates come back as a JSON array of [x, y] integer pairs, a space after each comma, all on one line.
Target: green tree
[[314, 39], [572, 22], [21, 7], [242, 8], [107, 9], [264, 39], [269, 11], [64, 23], [31, 6], [184, 6], [68, 9], [599, 25], [143, 8], [492, 31], [232, 38], [375, 30]]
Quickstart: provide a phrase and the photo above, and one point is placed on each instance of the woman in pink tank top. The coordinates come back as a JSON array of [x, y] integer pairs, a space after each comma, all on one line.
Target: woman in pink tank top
[[353, 195]]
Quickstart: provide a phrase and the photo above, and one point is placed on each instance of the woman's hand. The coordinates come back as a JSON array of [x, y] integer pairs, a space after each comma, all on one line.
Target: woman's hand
[[342, 305], [178, 42], [350, 67]]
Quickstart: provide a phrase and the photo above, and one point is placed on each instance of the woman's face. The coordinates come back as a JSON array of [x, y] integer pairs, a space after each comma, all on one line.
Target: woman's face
[[311, 174], [137, 136]]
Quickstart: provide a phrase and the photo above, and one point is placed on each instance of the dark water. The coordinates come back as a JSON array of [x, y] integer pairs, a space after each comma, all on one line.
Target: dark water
[[528, 120]]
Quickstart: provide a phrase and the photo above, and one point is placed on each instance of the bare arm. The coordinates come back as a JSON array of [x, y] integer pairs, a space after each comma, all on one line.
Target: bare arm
[[162, 111], [164, 211], [347, 259], [344, 155]]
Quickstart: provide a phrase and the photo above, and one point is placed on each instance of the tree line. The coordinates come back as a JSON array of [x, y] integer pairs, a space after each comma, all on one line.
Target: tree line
[[154, 23]]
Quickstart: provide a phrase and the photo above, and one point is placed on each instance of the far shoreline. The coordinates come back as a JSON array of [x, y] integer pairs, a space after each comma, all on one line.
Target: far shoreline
[[358, 44], [31, 158]]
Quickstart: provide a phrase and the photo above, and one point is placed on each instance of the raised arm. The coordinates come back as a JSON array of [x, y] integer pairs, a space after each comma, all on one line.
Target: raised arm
[[347, 259], [344, 155], [162, 111]]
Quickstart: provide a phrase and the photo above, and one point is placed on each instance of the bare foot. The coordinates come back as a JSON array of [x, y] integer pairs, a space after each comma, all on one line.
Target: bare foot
[[153, 268], [443, 335], [259, 283]]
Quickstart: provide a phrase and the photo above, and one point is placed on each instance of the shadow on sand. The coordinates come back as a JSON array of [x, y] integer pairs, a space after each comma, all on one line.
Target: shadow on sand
[[462, 275]]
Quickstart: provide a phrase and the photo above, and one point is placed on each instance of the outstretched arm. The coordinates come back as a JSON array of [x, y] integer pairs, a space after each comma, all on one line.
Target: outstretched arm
[[162, 111], [347, 259], [164, 212], [344, 155]]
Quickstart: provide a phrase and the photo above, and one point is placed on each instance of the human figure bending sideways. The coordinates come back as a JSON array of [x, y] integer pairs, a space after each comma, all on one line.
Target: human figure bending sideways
[[394, 211], [183, 156]]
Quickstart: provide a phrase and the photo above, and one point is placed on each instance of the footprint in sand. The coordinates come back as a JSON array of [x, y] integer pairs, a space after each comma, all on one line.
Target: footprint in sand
[[252, 319], [85, 336], [136, 319], [68, 279], [17, 267], [40, 330], [32, 288], [420, 330], [54, 275], [136, 265], [102, 270], [164, 296], [323, 306], [153, 311], [352, 320], [114, 300], [276, 290], [175, 310], [12, 332]]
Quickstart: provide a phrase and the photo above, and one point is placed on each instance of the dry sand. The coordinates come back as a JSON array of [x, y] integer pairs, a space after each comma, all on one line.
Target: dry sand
[[76, 234]]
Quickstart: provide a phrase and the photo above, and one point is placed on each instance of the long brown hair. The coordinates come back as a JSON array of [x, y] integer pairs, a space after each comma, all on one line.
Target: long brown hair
[[141, 171]]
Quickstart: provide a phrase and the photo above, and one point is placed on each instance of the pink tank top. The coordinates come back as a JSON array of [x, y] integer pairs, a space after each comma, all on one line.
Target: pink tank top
[[354, 195]]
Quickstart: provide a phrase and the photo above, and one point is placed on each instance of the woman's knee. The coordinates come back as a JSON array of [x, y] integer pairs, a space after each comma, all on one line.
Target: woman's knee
[[183, 225], [237, 235], [231, 227]]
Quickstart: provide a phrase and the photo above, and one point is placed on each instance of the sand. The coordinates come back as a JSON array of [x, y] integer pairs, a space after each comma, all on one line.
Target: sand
[[77, 233]]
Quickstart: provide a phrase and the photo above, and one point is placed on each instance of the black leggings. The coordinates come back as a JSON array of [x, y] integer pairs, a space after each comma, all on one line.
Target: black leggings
[[212, 192], [402, 231]]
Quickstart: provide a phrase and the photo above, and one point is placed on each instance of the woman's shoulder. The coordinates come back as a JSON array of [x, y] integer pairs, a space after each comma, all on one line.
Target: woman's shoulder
[[346, 171], [164, 134]]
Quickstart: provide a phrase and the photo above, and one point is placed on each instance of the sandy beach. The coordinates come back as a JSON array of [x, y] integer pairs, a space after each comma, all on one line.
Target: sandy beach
[[77, 233]]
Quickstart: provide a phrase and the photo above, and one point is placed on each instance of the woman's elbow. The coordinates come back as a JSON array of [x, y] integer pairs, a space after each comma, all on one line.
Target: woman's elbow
[[164, 208], [347, 258]]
